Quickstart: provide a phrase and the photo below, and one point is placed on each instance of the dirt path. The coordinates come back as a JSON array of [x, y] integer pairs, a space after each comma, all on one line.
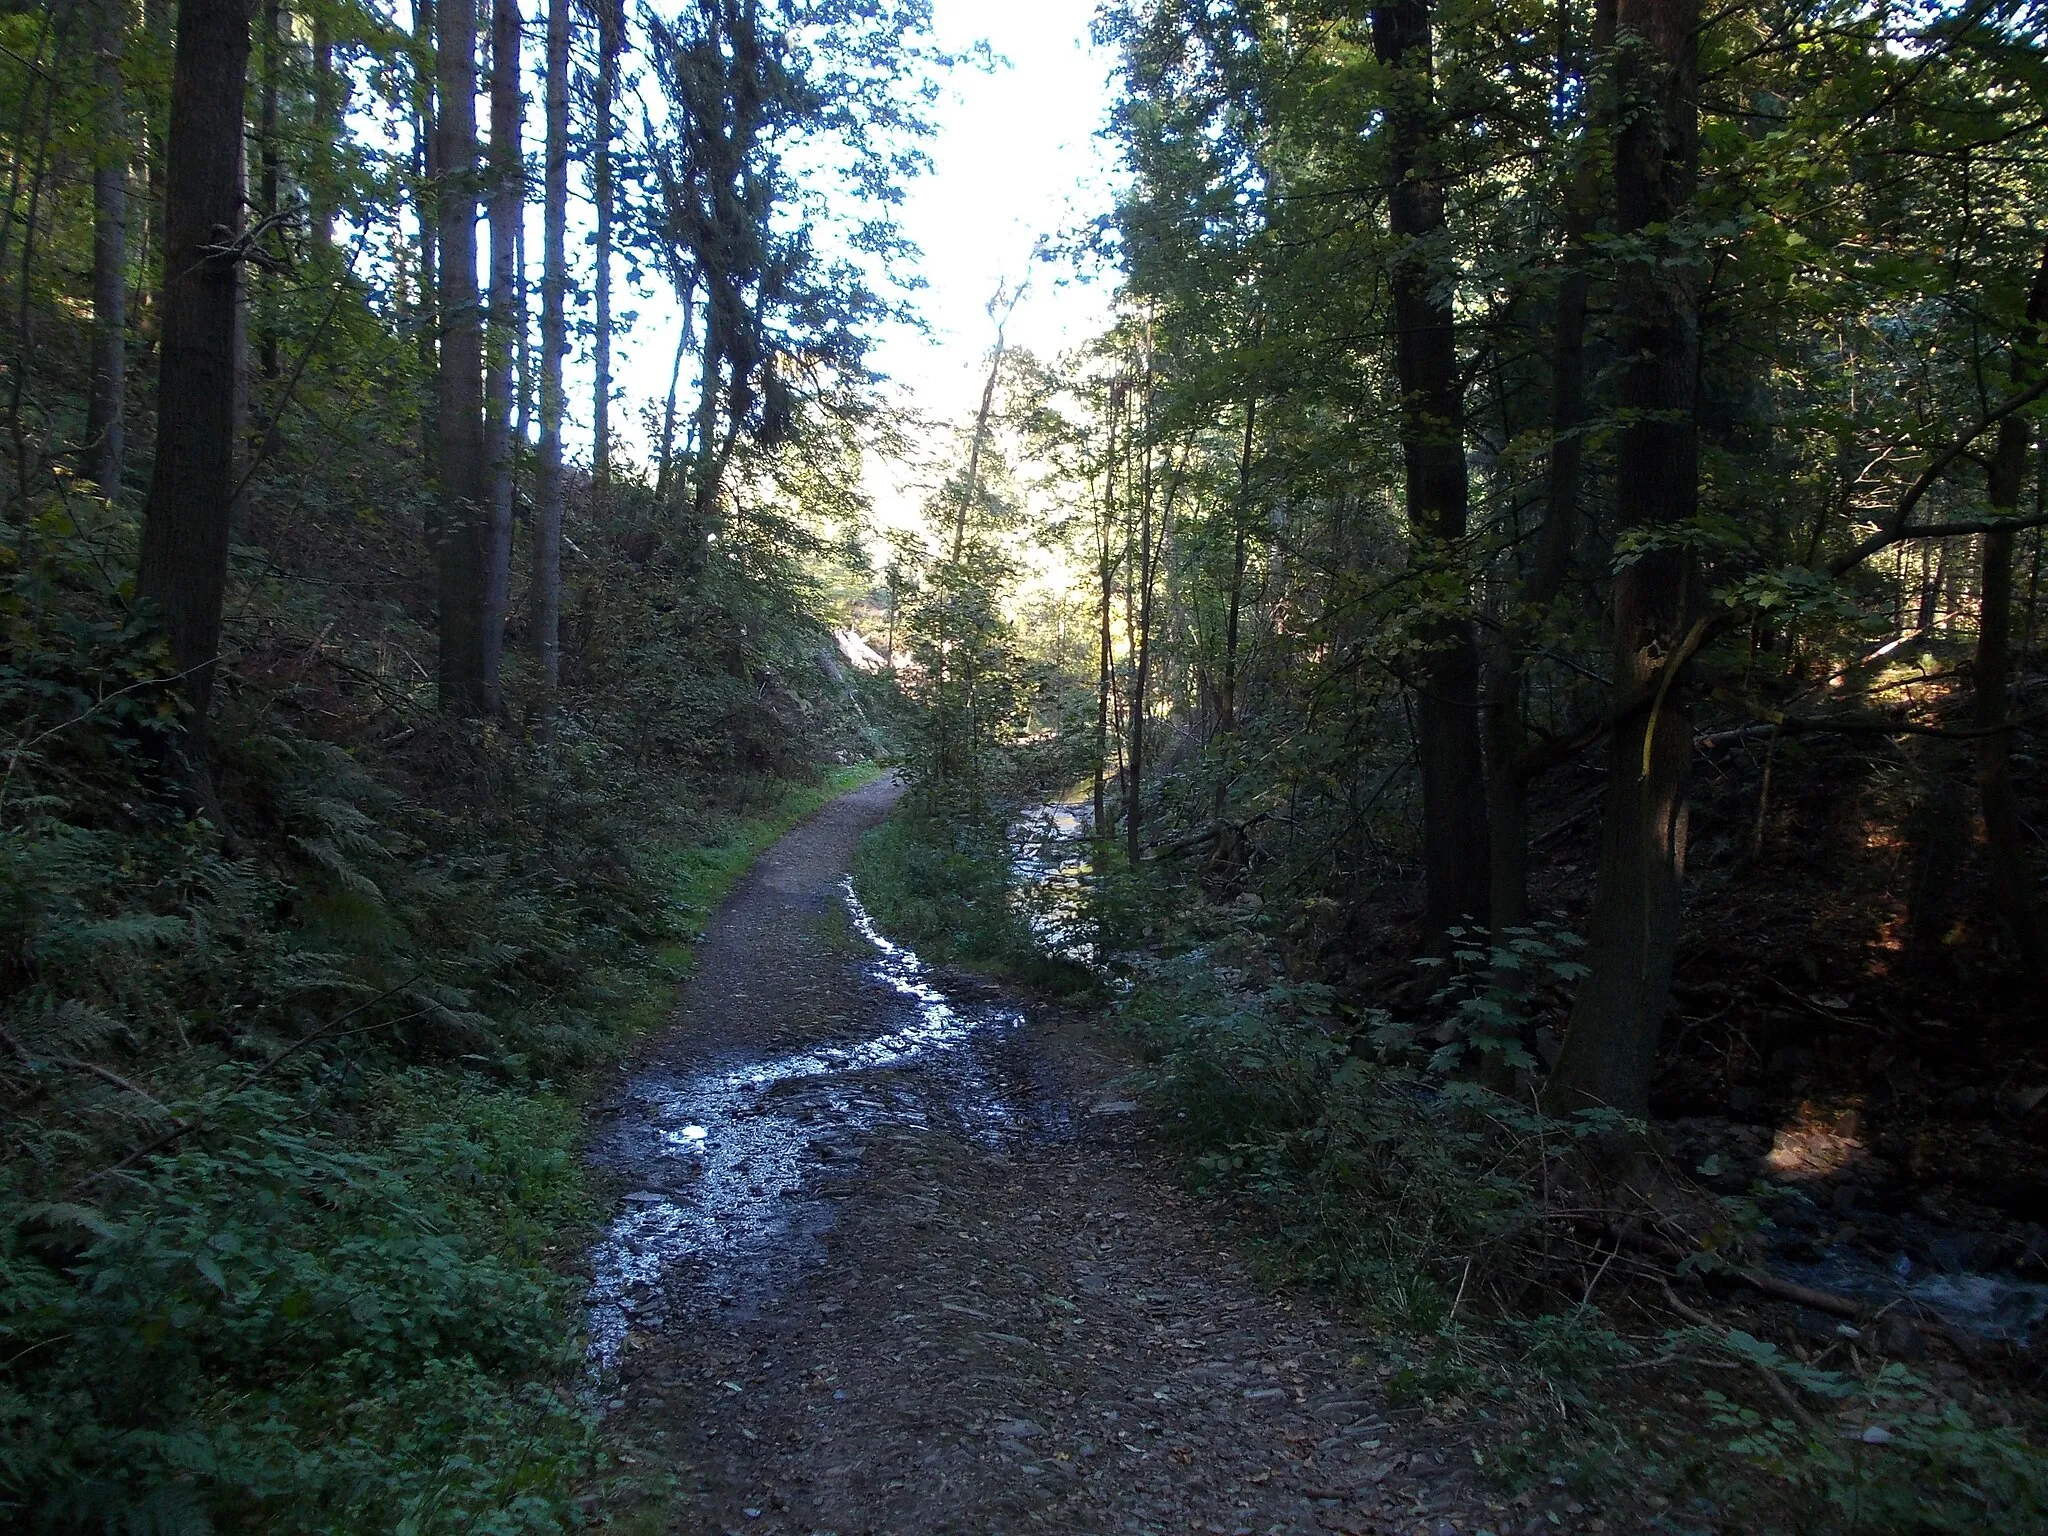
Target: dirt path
[[893, 1257]]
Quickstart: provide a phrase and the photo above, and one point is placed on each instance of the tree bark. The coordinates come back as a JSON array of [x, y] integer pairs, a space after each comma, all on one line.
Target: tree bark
[[1227, 849], [326, 133], [1141, 640], [186, 522], [508, 209], [1611, 1043], [1506, 721], [601, 129], [554, 349], [1455, 859], [665, 460], [427, 175], [459, 535], [1106, 654], [2005, 836], [269, 185], [106, 404], [157, 28]]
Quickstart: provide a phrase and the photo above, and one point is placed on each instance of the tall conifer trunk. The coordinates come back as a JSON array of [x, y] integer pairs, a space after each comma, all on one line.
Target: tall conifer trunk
[[1454, 842], [601, 128], [1506, 722], [106, 404], [427, 176], [2005, 835], [186, 522], [459, 534], [1611, 1043], [326, 135], [270, 160], [554, 347], [508, 208]]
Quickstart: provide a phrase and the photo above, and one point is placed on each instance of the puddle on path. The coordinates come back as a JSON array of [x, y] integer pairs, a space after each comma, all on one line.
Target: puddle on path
[[731, 1167]]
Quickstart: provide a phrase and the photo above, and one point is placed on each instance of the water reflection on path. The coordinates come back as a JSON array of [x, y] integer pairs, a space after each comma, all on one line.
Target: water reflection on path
[[732, 1167]]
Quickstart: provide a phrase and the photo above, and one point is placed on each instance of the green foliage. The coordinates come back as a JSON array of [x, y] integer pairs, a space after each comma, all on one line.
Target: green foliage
[[1485, 997], [944, 887], [284, 1327], [289, 1195]]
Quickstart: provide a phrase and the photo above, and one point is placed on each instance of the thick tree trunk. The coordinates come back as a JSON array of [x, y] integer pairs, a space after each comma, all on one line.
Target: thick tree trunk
[[1507, 731], [601, 128], [270, 160], [106, 404], [2005, 836], [460, 532], [554, 349], [1611, 1044], [427, 177], [1455, 859], [186, 522], [157, 27], [508, 209]]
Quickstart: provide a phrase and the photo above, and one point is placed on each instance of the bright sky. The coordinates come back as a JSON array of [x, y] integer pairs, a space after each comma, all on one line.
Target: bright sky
[[1015, 158]]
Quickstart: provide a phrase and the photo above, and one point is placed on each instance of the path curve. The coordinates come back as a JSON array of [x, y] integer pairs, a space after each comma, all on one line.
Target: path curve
[[971, 1299]]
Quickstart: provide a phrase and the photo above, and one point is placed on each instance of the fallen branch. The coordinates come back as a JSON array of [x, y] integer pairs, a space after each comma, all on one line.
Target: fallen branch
[[1783, 1392]]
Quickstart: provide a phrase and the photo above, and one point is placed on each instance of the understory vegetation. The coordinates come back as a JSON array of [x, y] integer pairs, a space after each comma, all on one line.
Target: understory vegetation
[[1543, 645], [293, 1193], [377, 724]]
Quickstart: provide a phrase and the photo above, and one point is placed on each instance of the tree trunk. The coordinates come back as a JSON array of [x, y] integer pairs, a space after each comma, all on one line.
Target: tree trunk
[[427, 175], [665, 460], [554, 348], [2005, 836], [1141, 640], [1456, 864], [1106, 655], [157, 28], [185, 524], [1227, 850], [1611, 1043], [1506, 724], [326, 134], [106, 405], [508, 209], [268, 188], [459, 535], [606, 85]]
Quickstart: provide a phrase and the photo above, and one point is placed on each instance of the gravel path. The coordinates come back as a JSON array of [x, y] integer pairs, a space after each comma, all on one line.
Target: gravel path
[[944, 1284]]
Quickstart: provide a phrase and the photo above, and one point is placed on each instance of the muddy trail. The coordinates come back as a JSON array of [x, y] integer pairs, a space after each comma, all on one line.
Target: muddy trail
[[892, 1255]]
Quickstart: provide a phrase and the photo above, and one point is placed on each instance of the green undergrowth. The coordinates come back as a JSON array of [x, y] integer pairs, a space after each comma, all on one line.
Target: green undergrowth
[[702, 873], [347, 1299], [946, 890], [291, 1192], [1376, 1168], [1433, 1207]]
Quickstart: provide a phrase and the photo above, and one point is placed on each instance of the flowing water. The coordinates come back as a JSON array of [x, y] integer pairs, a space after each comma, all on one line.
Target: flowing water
[[733, 1166]]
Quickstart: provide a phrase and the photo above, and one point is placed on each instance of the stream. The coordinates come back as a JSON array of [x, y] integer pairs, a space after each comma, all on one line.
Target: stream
[[733, 1167]]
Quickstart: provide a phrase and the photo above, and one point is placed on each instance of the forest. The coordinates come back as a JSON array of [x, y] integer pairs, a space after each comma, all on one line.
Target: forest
[[1526, 625]]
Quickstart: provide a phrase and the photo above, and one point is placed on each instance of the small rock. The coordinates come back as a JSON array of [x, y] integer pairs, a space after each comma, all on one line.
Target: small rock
[[1016, 1429], [1877, 1434], [1898, 1338]]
